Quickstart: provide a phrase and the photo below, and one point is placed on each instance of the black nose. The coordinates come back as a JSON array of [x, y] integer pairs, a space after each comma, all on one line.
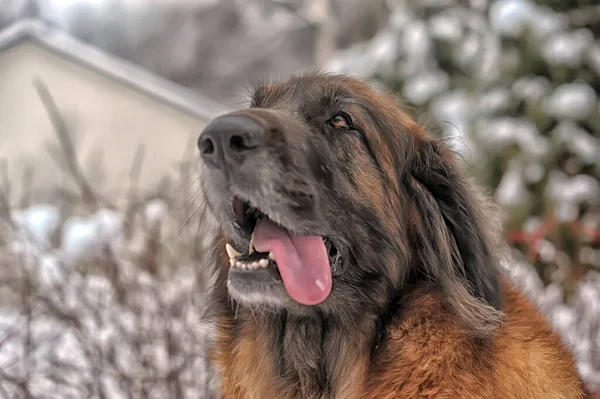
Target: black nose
[[230, 140]]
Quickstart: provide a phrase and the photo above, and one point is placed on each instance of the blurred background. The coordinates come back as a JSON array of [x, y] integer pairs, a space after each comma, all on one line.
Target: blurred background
[[102, 293]]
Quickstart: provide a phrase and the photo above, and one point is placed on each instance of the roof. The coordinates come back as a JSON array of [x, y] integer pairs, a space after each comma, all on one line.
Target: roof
[[127, 73]]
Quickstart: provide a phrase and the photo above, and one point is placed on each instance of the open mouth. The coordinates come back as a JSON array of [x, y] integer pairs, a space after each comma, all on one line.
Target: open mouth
[[302, 263]]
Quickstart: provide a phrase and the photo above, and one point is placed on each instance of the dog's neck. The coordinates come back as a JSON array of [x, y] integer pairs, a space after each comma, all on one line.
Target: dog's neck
[[303, 356]]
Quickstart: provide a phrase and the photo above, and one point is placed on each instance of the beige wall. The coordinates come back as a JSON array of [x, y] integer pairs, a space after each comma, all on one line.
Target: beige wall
[[105, 116]]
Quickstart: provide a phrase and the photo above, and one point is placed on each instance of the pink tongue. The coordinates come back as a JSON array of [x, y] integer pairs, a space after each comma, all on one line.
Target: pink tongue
[[302, 262]]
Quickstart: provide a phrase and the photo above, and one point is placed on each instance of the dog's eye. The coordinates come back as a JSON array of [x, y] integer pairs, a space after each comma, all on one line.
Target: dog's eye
[[341, 121]]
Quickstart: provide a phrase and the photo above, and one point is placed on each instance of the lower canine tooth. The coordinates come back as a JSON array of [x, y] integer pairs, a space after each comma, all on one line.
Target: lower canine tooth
[[263, 263]]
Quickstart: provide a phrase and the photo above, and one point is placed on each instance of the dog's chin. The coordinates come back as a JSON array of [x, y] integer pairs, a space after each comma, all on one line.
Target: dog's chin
[[253, 280], [258, 289]]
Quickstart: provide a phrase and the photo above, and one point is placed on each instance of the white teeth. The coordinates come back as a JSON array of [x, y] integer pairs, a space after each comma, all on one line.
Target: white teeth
[[262, 263], [272, 256], [231, 251]]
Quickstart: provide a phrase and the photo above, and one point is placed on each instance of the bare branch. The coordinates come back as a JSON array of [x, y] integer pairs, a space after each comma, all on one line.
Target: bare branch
[[64, 137]]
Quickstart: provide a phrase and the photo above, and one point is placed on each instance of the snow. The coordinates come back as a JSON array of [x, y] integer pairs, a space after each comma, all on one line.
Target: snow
[[503, 131], [79, 233], [108, 224], [566, 192], [510, 17], [547, 251], [467, 50], [156, 211], [578, 188], [572, 101], [578, 141], [115, 324], [544, 22], [400, 16], [486, 68], [364, 60], [494, 101], [454, 106], [567, 48], [51, 271], [83, 236], [38, 222], [415, 40], [83, 318], [531, 224], [533, 171], [511, 189], [531, 87], [445, 27], [423, 87]]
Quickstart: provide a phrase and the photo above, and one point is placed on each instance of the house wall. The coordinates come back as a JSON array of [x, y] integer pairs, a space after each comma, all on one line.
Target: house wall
[[109, 122]]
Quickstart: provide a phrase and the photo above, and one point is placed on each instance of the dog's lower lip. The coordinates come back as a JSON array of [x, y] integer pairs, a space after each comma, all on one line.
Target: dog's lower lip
[[253, 267], [268, 274]]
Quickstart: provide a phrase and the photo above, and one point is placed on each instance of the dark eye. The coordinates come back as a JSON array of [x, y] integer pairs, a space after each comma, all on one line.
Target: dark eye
[[341, 121]]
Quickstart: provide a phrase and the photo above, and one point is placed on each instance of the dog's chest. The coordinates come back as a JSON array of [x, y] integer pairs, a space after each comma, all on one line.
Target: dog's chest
[[294, 359]]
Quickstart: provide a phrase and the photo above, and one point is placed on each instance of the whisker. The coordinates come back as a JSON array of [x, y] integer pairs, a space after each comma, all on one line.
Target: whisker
[[189, 219]]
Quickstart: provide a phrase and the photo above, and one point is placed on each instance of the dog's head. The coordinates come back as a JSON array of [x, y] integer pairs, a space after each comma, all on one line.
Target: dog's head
[[336, 199]]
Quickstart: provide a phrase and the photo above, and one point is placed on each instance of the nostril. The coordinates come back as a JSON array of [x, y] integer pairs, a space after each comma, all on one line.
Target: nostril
[[206, 146], [236, 143], [240, 143]]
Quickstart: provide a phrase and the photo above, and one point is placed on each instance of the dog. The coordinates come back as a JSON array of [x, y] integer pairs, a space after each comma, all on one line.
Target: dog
[[355, 260]]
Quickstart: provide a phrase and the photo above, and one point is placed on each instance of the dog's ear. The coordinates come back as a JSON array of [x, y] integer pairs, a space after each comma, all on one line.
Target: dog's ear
[[454, 247]]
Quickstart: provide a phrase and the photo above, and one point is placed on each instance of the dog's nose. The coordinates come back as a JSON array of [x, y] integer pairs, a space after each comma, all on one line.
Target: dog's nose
[[229, 140]]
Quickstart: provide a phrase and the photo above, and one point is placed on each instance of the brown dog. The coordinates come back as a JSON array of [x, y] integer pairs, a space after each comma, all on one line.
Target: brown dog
[[369, 268]]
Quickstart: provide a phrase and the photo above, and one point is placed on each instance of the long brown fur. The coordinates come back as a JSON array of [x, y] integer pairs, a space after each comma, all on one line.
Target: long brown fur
[[428, 355], [427, 325]]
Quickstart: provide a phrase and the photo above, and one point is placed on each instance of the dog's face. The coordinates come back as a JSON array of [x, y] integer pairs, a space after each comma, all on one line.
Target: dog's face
[[331, 195]]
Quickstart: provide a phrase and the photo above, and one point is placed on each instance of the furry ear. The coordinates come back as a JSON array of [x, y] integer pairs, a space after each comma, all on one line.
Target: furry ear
[[455, 248]]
